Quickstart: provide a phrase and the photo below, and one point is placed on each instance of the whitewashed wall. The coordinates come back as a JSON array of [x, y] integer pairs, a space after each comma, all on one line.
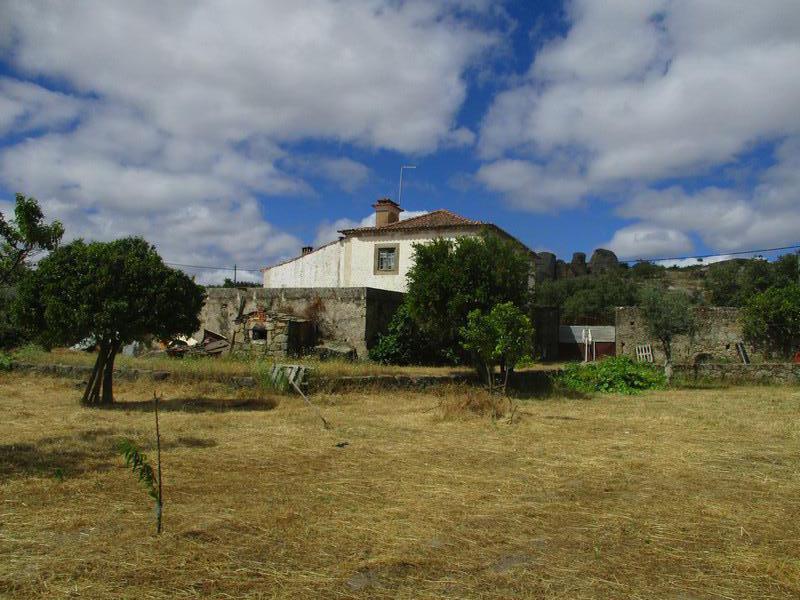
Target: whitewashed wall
[[317, 269], [351, 262]]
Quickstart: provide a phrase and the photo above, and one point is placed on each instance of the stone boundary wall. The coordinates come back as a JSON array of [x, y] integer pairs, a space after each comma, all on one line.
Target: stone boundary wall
[[718, 331], [781, 373]]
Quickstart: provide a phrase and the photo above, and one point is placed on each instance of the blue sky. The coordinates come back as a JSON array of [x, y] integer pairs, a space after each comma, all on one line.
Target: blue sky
[[236, 132]]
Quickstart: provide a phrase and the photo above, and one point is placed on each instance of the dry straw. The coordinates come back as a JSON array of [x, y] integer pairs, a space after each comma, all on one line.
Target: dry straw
[[680, 494]]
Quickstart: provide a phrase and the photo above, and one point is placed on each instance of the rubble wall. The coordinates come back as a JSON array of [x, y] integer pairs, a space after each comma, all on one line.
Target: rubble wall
[[354, 316], [718, 331]]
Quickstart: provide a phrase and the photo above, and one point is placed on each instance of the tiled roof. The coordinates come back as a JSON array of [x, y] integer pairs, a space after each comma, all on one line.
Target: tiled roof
[[433, 220]]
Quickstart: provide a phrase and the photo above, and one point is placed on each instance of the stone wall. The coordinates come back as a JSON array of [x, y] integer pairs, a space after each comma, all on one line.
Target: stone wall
[[718, 331], [785, 373], [354, 316]]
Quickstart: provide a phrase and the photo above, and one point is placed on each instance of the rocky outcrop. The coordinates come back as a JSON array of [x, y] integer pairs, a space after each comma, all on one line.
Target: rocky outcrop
[[548, 267], [603, 261]]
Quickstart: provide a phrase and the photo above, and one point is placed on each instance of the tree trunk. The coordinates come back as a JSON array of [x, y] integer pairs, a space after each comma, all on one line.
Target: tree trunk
[[95, 373], [668, 362], [107, 397], [505, 381], [92, 393]]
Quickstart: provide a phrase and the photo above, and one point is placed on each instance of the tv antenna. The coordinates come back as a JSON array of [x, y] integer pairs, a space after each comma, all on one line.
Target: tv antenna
[[400, 188]]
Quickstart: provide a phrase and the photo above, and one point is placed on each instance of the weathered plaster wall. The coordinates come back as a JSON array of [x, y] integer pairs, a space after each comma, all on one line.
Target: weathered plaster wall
[[351, 262], [358, 268], [718, 330], [354, 316], [317, 269]]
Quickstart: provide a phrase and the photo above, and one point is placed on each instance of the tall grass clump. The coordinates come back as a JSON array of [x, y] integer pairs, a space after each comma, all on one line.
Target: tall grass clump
[[614, 375], [267, 380], [5, 361]]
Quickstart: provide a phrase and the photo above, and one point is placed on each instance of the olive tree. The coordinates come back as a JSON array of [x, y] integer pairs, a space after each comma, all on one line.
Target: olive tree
[[667, 314], [114, 293]]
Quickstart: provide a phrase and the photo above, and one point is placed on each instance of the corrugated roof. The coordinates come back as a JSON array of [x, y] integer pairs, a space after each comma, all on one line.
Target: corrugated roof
[[573, 334], [433, 220]]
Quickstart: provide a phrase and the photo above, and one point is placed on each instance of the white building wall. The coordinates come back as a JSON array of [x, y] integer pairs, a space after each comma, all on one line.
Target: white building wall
[[351, 262], [317, 269]]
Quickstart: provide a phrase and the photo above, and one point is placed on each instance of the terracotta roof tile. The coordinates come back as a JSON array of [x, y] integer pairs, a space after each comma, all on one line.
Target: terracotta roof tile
[[433, 220]]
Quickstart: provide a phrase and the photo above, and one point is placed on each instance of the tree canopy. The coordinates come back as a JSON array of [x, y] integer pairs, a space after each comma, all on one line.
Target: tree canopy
[[502, 336], [451, 278], [112, 292], [735, 282], [667, 314], [771, 319], [25, 236]]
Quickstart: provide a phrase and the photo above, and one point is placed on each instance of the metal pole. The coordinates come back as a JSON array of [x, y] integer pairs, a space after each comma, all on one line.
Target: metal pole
[[234, 274], [400, 188]]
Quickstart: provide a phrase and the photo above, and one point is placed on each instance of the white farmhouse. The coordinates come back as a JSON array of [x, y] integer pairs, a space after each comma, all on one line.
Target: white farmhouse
[[373, 257]]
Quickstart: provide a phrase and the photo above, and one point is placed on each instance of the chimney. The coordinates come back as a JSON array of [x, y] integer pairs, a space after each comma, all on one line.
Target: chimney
[[386, 212], [307, 250]]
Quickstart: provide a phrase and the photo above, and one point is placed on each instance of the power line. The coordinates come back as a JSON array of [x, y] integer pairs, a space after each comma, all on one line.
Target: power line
[[737, 253], [234, 268], [630, 260]]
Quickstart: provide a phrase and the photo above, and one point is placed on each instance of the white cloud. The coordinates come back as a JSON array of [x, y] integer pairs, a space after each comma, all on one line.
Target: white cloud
[[344, 172], [329, 231], [767, 216], [639, 92], [693, 262], [379, 74], [26, 106], [643, 241], [174, 117], [533, 187]]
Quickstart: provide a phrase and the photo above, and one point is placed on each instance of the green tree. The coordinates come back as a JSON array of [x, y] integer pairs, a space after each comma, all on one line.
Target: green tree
[[733, 283], [771, 319], [403, 343], [114, 293], [667, 314], [21, 238], [591, 297], [500, 337], [25, 236], [451, 278], [722, 283]]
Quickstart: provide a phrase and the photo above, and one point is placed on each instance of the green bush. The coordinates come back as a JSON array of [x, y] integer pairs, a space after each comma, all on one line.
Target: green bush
[[620, 375], [403, 343], [5, 362]]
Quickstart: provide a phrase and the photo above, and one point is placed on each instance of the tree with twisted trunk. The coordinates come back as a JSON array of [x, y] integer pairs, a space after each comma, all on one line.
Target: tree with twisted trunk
[[113, 293]]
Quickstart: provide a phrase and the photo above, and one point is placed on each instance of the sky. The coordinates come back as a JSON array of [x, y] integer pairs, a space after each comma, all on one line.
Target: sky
[[236, 131]]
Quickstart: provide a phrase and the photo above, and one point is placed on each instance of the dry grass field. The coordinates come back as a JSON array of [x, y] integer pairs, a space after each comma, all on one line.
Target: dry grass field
[[680, 495], [227, 366]]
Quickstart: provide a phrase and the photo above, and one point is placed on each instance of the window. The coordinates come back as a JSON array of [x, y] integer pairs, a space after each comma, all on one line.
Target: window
[[386, 259]]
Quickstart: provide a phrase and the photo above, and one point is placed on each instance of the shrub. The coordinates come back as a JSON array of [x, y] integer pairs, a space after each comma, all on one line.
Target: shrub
[[503, 336], [620, 375], [403, 343], [5, 362]]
